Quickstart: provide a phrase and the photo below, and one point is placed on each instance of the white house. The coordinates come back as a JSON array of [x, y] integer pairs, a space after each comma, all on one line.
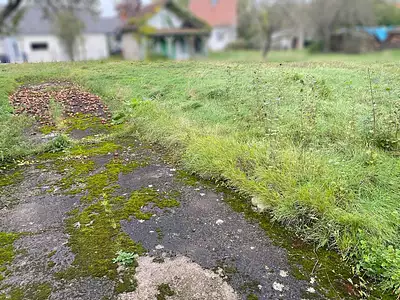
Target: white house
[[222, 16], [35, 40]]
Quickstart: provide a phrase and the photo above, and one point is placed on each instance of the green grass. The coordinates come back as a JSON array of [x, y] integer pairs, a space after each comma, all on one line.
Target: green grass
[[304, 55], [299, 137]]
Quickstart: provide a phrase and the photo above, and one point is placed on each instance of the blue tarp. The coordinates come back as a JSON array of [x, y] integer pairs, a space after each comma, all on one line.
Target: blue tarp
[[381, 33]]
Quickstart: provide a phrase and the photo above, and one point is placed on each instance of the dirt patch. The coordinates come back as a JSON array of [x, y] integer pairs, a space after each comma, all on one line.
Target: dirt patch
[[37, 101], [184, 279]]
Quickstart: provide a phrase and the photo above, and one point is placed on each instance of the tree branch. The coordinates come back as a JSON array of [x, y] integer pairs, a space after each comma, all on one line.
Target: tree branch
[[11, 6]]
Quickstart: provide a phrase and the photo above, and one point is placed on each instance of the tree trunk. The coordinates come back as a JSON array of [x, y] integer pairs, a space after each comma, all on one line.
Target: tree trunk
[[267, 45], [301, 39], [327, 40], [6, 11]]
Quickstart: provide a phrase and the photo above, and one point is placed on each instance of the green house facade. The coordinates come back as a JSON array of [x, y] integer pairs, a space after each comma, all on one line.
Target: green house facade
[[164, 30]]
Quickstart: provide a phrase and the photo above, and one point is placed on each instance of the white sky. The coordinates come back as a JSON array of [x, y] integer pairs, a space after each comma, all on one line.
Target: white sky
[[107, 6]]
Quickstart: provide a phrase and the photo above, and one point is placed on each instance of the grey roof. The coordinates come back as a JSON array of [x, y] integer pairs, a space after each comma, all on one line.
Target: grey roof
[[34, 22]]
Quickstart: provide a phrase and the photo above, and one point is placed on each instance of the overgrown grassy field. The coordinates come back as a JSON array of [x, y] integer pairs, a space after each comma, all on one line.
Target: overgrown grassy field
[[302, 56], [316, 143]]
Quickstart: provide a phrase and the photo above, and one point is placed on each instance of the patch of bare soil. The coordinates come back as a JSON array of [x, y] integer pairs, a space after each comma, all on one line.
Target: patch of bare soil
[[35, 100]]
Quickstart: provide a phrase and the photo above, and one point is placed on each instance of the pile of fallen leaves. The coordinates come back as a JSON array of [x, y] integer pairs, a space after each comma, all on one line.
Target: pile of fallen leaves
[[35, 100]]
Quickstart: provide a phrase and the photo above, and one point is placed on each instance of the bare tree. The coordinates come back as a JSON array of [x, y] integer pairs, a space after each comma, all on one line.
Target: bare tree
[[11, 12], [271, 18], [331, 14], [248, 28], [68, 29], [297, 13], [128, 9]]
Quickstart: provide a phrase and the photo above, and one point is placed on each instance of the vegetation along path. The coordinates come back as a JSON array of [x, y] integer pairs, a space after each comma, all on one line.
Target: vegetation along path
[[312, 146], [101, 215]]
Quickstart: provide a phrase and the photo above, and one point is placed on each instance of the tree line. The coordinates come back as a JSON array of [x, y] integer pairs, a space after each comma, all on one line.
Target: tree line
[[260, 19]]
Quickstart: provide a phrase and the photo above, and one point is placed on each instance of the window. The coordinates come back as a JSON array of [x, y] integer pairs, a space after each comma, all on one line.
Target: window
[[220, 35], [39, 46]]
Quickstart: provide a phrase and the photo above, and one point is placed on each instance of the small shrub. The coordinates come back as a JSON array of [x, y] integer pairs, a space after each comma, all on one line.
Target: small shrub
[[125, 258], [56, 110], [119, 118], [316, 47], [157, 57], [60, 143], [240, 44]]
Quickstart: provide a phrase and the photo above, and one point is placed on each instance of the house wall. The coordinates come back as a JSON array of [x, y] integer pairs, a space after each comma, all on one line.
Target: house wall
[[93, 47], [10, 48], [165, 19], [2, 48], [182, 49], [90, 47], [221, 36], [130, 47]]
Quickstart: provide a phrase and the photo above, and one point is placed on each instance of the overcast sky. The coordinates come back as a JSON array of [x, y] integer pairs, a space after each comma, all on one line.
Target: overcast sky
[[107, 6]]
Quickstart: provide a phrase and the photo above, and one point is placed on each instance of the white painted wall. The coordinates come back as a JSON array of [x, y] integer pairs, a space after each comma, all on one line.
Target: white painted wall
[[182, 52], [221, 36], [2, 48], [130, 47], [165, 19], [91, 47], [9, 47]]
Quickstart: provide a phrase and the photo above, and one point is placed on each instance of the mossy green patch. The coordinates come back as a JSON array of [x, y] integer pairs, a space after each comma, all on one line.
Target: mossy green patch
[[12, 178], [95, 149], [252, 297], [127, 282], [7, 251], [187, 178], [164, 291], [104, 184], [51, 254], [47, 129], [160, 234], [77, 170], [95, 186], [95, 237], [96, 234], [40, 291], [86, 122], [50, 155], [146, 197]]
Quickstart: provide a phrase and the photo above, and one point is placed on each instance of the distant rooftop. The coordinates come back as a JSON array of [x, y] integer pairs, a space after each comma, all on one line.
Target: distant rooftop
[[34, 23]]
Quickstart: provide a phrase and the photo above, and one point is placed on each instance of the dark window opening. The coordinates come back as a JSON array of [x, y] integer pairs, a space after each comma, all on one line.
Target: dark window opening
[[198, 45], [220, 36], [39, 46]]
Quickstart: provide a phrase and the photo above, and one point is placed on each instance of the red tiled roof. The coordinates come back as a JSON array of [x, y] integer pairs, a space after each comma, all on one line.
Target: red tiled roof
[[215, 12]]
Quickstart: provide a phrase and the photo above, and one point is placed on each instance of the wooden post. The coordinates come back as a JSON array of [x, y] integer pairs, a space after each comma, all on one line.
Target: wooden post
[[169, 46], [191, 51], [204, 44]]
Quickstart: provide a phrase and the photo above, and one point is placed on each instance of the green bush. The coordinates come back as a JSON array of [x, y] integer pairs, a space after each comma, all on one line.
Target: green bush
[[156, 57], [316, 47], [58, 144], [241, 44]]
